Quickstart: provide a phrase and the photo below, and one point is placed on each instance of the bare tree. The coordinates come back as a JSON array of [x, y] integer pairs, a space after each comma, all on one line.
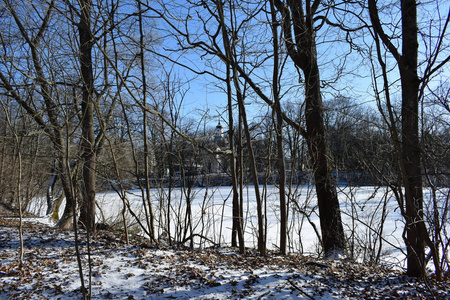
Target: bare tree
[[51, 122], [148, 207], [279, 130], [299, 34], [18, 185], [236, 170], [88, 155], [408, 142]]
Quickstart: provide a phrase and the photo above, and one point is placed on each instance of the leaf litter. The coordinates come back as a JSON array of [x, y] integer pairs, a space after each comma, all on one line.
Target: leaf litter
[[141, 271]]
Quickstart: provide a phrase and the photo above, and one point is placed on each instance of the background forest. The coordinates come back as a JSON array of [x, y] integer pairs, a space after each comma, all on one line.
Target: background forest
[[133, 95]]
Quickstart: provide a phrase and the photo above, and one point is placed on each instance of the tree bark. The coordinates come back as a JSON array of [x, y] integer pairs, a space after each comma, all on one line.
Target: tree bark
[[66, 220], [333, 240], [238, 230], [237, 226], [411, 141], [88, 155], [410, 156], [279, 133], [148, 207], [299, 32]]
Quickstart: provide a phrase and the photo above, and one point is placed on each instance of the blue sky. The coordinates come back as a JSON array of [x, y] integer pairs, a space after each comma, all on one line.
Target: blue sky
[[355, 81]]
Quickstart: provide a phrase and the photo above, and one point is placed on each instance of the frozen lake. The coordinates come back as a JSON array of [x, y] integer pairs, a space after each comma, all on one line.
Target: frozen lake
[[372, 221]]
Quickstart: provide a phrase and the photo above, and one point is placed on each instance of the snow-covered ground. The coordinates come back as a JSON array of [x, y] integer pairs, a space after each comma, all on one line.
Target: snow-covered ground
[[137, 271], [120, 271]]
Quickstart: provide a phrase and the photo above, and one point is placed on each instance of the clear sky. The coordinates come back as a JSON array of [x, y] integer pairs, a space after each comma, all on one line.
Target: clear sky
[[344, 70]]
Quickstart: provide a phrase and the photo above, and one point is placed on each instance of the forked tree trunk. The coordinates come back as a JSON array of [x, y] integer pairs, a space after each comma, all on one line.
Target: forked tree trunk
[[410, 158], [238, 230], [237, 226], [299, 36], [148, 207]]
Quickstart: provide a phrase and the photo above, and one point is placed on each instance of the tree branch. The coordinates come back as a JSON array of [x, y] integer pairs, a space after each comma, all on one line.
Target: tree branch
[[376, 25]]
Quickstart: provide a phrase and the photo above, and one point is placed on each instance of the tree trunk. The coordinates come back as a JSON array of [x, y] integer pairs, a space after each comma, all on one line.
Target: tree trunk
[[237, 225], [148, 207], [333, 240], [88, 155], [411, 141], [410, 158], [66, 220], [259, 203], [238, 230], [299, 36], [279, 133]]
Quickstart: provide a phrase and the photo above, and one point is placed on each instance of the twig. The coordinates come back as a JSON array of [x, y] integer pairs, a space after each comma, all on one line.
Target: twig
[[299, 289], [200, 236], [317, 264], [264, 294]]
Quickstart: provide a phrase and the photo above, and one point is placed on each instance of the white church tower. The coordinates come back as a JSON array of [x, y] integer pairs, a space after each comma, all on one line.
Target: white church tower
[[220, 144], [218, 137]]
